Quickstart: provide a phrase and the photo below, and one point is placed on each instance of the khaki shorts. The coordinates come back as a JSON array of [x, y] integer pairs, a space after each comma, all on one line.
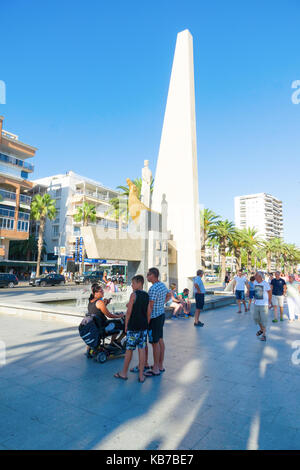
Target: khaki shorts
[[260, 314], [277, 300]]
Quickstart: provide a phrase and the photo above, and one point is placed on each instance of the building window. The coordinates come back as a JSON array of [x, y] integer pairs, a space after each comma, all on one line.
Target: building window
[[57, 193], [22, 226], [55, 230], [7, 224]]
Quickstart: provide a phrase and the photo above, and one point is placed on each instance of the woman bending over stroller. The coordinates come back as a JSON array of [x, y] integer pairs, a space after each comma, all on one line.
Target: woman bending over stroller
[[97, 307]]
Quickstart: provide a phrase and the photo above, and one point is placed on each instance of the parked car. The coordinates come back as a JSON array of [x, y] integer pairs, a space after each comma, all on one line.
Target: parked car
[[211, 278], [8, 280], [47, 280], [89, 277]]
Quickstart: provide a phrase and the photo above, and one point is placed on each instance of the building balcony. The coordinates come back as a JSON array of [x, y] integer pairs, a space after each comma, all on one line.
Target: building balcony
[[7, 213], [28, 167], [11, 198], [8, 196], [26, 200], [24, 216], [91, 195]]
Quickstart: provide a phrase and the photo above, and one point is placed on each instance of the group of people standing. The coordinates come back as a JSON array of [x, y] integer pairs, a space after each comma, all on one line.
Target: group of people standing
[[144, 320], [267, 295]]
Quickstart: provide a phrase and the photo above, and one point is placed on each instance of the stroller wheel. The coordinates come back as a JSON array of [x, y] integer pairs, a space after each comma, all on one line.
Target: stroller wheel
[[101, 357]]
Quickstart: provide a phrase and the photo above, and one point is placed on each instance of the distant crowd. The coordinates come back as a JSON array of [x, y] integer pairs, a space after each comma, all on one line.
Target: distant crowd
[[267, 294]]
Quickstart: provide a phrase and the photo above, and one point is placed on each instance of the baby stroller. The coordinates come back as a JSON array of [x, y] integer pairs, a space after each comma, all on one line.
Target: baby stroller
[[94, 337]]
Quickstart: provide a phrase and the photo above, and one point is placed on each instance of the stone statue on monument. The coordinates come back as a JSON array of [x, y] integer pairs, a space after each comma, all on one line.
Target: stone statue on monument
[[135, 206], [146, 184]]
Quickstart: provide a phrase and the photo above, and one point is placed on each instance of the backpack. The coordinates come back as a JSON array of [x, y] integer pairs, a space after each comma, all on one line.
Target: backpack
[[89, 332]]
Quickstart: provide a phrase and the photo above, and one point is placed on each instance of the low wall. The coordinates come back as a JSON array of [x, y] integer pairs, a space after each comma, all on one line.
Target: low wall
[[211, 302], [71, 314]]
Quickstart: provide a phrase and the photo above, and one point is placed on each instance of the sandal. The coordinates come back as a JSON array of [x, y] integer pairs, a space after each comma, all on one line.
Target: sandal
[[118, 376], [135, 369], [260, 332], [142, 381], [160, 370], [263, 338], [150, 373]]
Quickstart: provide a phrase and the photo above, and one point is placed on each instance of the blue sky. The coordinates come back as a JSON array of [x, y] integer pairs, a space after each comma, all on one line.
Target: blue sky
[[87, 84]]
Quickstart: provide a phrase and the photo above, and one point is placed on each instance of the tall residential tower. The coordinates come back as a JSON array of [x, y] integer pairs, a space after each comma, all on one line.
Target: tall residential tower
[[261, 211]]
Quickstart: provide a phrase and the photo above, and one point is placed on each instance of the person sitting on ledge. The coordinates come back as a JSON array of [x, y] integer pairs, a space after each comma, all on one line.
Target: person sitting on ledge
[[174, 302], [184, 298]]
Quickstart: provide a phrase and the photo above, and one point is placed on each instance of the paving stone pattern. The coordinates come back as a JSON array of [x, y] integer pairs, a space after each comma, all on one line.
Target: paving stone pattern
[[222, 389]]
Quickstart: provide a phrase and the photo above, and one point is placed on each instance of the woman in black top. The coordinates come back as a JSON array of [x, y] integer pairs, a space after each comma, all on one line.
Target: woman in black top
[[98, 306]]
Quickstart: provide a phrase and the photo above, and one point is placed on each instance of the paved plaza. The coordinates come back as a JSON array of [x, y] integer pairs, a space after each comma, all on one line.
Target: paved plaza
[[222, 389]]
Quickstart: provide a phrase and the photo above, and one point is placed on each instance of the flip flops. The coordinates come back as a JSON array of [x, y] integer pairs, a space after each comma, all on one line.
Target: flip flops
[[150, 373], [135, 369], [160, 370], [118, 376]]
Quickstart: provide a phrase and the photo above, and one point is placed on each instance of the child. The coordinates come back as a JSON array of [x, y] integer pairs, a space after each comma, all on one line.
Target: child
[[174, 302], [251, 290], [184, 297], [136, 327]]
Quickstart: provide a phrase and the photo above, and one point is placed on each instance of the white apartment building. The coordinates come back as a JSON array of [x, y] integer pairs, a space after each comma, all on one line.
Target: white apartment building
[[261, 211], [70, 190]]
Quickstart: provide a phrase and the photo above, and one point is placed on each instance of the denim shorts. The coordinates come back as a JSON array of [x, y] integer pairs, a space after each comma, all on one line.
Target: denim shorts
[[251, 294], [240, 295]]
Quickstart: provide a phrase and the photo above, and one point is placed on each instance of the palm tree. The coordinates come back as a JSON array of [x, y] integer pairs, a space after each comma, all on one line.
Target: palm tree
[[235, 245], [286, 252], [268, 247], [85, 214], [250, 243], [120, 211], [277, 248], [292, 258], [222, 231], [42, 208], [207, 222]]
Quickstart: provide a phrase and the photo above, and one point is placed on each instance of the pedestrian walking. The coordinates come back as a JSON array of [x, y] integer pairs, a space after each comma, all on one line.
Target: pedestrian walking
[[293, 298], [278, 286], [262, 300], [239, 284], [251, 291]]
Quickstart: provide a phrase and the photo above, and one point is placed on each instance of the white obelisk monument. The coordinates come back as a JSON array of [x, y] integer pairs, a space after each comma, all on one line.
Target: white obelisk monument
[[176, 172]]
